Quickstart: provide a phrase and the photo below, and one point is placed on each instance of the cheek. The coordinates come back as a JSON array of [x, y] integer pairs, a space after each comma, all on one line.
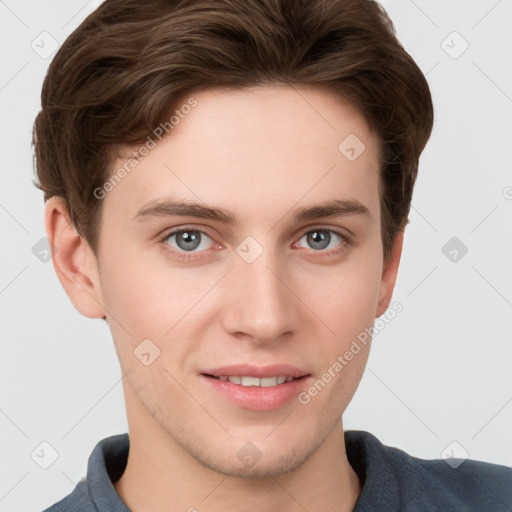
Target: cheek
[[349, 311], [151, 300], [145, 292], [346, 296]]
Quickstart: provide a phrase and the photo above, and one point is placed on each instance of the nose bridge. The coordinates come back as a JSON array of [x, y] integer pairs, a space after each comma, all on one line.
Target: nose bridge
[[262, 306]]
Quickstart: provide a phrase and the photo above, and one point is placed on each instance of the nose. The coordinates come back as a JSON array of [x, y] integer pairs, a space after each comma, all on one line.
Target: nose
[[262, 305]]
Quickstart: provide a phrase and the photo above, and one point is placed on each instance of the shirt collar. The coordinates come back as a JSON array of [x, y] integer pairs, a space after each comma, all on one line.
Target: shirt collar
[[107, 463]]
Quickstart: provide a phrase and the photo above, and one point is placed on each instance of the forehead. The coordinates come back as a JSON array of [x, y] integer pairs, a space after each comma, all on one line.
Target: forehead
[[268, 121], [255, 149]]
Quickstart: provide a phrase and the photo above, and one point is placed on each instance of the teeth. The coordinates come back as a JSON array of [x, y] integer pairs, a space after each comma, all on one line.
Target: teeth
[[250, 381], [264, 382]]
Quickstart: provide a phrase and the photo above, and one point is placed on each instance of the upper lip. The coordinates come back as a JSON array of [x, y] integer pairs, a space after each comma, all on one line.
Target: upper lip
[[248, 370]]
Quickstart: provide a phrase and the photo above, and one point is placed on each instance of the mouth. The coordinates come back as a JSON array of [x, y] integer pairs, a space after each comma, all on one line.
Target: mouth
[[259, 388]]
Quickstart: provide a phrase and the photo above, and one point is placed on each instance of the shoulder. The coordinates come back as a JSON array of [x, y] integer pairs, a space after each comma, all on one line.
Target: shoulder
[[476, 485], [420, 484]]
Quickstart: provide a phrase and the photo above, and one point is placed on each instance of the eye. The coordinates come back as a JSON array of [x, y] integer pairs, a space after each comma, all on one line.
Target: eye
[[188, 243], [321, 239], [188, 240]]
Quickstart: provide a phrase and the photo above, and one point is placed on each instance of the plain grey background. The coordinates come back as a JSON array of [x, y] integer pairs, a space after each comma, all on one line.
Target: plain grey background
[[438, 380]]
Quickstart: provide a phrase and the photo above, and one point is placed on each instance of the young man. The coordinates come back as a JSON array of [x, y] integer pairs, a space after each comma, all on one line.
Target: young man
[[227, 185]]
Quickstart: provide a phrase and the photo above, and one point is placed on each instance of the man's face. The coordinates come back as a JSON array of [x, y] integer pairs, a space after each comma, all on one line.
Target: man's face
[[263, 290]]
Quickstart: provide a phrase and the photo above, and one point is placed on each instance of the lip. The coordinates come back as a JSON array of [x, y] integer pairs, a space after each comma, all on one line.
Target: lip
[[253, 397], [257, 371]]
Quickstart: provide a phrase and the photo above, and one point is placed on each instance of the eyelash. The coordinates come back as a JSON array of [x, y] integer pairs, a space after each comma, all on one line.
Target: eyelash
[[190, 256]]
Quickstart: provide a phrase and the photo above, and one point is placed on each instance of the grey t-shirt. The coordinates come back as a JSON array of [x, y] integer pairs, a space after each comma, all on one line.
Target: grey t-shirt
[[391, 480]]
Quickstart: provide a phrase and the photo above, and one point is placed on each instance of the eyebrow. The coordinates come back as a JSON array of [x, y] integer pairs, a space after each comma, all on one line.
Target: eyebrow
[[170, 207]]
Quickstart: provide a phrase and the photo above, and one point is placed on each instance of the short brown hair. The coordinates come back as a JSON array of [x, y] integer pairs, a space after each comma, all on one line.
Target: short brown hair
[[130, 63]]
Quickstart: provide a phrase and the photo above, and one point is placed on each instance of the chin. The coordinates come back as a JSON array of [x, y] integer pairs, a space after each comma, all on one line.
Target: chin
[[260, 458], [268, 466]]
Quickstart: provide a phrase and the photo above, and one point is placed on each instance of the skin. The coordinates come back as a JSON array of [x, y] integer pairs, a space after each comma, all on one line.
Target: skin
[[260, 153]]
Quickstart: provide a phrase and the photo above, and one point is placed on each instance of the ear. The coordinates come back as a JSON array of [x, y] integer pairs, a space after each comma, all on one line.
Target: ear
[[389, 274], [74, 262]]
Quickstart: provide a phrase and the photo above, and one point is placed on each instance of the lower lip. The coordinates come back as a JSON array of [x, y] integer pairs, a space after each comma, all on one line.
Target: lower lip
[[258, 398]]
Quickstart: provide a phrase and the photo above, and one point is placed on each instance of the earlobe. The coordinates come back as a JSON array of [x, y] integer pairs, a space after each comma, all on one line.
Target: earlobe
[[389, 274], [73, 260]]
